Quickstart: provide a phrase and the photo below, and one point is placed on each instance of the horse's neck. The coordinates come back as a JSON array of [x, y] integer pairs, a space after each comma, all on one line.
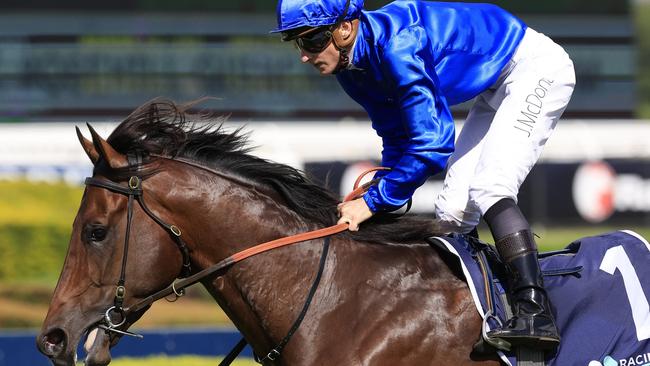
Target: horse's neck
[[228, 217], [263, 295], [253, 293]]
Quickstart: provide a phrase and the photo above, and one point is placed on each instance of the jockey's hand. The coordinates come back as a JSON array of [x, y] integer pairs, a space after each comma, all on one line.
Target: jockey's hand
[[354, 213]]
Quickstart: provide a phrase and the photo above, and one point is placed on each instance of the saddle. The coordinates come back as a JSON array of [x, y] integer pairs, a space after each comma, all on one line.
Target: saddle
[[486, 276]]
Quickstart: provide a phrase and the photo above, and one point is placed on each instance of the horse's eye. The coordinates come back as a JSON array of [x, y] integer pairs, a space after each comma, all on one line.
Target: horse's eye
[[97, 233]]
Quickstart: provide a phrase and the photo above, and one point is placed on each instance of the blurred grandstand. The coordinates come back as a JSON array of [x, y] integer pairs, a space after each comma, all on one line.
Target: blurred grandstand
[[71, 60]]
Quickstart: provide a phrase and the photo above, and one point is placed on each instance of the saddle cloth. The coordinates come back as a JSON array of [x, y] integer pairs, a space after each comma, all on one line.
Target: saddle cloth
[[599, 287]]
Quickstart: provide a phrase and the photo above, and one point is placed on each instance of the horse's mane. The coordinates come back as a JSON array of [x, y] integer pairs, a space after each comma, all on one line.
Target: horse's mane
[[162, 127]]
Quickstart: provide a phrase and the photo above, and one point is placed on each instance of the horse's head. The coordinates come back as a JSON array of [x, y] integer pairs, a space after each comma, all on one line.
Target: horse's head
[[97, 280]]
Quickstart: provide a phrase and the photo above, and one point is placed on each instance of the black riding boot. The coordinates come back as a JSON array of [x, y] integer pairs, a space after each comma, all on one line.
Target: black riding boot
[[532, 324]]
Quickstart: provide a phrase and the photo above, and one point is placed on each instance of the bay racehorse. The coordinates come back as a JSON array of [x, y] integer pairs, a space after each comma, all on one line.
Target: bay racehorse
[[386, 297]]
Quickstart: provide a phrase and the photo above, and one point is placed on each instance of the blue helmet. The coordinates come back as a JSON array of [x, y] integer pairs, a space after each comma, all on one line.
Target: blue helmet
[[294, 14]]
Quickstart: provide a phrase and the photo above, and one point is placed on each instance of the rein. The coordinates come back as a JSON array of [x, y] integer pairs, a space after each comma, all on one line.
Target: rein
[[134, 191], [261, 248], [258, 249]]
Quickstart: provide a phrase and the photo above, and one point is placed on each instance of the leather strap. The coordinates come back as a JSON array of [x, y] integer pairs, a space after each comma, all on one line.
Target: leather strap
[[247, 253]]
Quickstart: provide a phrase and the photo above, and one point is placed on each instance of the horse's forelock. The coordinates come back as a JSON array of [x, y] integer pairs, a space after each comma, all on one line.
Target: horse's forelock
[[156, 127]]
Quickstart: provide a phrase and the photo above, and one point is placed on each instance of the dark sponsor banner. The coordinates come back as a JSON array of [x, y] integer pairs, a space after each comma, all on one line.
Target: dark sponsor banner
[[611, 192], [594, 192]]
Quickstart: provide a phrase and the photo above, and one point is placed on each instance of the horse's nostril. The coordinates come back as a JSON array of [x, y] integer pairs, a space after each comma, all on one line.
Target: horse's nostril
[[53, 342], [55, 336]]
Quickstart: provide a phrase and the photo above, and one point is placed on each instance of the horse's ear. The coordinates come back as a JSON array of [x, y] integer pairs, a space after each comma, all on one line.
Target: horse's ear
[[88, 146], [113, 158]]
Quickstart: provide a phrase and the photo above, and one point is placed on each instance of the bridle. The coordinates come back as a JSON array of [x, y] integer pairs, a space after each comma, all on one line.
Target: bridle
[[134, 191]]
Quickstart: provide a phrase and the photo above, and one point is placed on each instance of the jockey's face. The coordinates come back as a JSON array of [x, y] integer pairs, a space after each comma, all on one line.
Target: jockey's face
[[325, 61]]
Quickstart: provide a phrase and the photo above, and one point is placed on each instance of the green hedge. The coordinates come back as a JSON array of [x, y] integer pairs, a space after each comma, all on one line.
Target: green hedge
[[32, 252], [35, 204], [35, 225]]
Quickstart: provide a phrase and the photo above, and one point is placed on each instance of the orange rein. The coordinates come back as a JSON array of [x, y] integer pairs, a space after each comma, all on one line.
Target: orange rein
[[178, 286], [315, 234]]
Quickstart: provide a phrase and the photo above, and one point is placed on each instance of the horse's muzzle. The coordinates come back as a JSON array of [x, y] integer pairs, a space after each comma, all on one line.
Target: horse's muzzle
[[53, 344], [61, 349]]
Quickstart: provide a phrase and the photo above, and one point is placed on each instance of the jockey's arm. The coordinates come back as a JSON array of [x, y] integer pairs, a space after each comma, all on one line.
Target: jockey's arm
[[425, 119]]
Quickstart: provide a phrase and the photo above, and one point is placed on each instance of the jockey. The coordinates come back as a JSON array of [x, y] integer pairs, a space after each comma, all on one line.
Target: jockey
[[406, 63]]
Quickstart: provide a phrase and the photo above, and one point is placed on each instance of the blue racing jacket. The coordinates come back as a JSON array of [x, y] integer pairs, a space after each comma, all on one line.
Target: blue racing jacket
[[411, 61]]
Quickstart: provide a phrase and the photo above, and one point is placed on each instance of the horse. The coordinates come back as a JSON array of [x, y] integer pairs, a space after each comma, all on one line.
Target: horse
[[386, 296]]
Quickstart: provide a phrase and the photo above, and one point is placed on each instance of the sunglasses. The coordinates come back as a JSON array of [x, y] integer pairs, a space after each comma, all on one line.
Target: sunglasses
[[315, 42]]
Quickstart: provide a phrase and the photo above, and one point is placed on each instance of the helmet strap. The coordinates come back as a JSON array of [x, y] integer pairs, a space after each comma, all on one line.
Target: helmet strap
[[342, 44], [344, 60]]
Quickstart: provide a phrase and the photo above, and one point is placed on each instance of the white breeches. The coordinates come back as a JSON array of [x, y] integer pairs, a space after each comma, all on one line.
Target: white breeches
[[505, 132]]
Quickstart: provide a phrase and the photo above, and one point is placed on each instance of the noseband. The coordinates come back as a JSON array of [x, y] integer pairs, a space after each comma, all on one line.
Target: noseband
[[134, 191]]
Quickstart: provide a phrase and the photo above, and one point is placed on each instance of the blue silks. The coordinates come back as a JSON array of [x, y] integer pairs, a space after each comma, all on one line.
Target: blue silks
[[413, 59]]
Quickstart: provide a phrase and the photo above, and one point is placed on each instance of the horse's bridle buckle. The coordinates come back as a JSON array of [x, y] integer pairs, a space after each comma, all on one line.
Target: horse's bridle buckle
[[273, 355], [134, 182]]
